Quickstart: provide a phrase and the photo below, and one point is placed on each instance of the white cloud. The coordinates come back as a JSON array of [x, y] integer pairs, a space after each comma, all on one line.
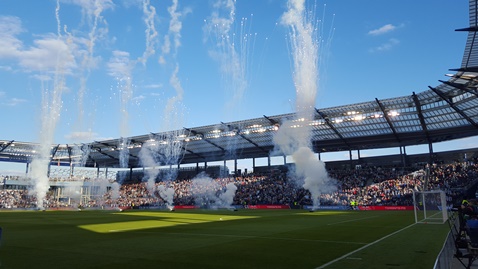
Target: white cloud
[[48, 54], [10, 45], [10, 26], [6, 68], [4, 101], [386, 46], [138, 99], [81, 136], [90, 7], [383, 30], [41, 77], [131, 3], [120, 64], [14, 101], [153, 86]]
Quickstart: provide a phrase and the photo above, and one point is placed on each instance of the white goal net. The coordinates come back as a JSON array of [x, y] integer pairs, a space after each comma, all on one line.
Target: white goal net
[[430, 207]]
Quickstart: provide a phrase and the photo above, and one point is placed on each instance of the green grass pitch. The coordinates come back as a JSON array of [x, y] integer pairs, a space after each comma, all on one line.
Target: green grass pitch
[[218, 239]]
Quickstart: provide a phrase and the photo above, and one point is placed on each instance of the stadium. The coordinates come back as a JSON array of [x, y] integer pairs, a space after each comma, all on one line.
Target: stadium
[[156, 200]]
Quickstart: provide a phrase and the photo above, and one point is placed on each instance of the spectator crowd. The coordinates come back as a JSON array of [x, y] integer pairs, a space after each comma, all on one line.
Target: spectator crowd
[[364, 186]]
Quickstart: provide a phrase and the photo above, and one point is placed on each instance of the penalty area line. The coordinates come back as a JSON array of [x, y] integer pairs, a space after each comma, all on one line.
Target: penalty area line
[[130, 229], [352, 220], [364, 247], [259, 237], [133, 229]]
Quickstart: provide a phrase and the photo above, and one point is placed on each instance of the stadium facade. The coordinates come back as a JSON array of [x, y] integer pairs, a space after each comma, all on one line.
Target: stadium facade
[[444, 112]]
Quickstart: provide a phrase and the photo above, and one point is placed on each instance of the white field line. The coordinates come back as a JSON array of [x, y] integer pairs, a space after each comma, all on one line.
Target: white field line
[[136, 228], [264, 237], [364, 247], [132, 229], [434, 215], [345, 221]]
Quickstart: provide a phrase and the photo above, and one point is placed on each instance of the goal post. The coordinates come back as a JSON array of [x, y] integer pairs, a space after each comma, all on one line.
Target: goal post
[[430, 207]]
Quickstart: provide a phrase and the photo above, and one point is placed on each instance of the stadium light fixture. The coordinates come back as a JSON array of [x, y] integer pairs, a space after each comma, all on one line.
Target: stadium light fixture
[[358, 117], [393, 113], [230, 133], [466, 76], [299, 119]]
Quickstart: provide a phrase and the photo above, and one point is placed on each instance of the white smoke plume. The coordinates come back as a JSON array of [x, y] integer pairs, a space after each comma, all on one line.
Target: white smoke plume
[[208, 193], [315, 176], [171, 147], [115, 191], [148, 158], [73, 192], [227, 197], [39, 176], [231, 49], [59, 54], [99, 189], [123, 146], [173, 111], [150, 32], [80, 154], [166, 149], [120, 67], [174, 32], [57, 16], [304, 48], [91, 11], [293, 137], [167, 193], [51, 110]]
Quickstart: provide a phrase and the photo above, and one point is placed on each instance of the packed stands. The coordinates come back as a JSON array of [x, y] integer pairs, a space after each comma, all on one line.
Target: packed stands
[[365, 186]]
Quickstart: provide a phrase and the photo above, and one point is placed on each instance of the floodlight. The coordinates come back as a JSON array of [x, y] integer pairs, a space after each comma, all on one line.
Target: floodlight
[[393, 113]]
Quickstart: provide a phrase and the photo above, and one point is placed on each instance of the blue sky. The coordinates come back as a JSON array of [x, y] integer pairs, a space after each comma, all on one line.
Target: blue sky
[[127, 68]]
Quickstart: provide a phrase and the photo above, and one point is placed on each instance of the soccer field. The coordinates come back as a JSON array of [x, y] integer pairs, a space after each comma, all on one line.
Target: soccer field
[[218, 239]]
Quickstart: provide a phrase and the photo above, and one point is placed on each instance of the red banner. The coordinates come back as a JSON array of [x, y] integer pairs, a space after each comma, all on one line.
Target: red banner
[[386, 207], [267, 207], [185, 207]]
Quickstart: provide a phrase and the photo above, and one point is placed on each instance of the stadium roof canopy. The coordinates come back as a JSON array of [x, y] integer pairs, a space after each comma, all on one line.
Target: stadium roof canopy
[[442, 113]]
